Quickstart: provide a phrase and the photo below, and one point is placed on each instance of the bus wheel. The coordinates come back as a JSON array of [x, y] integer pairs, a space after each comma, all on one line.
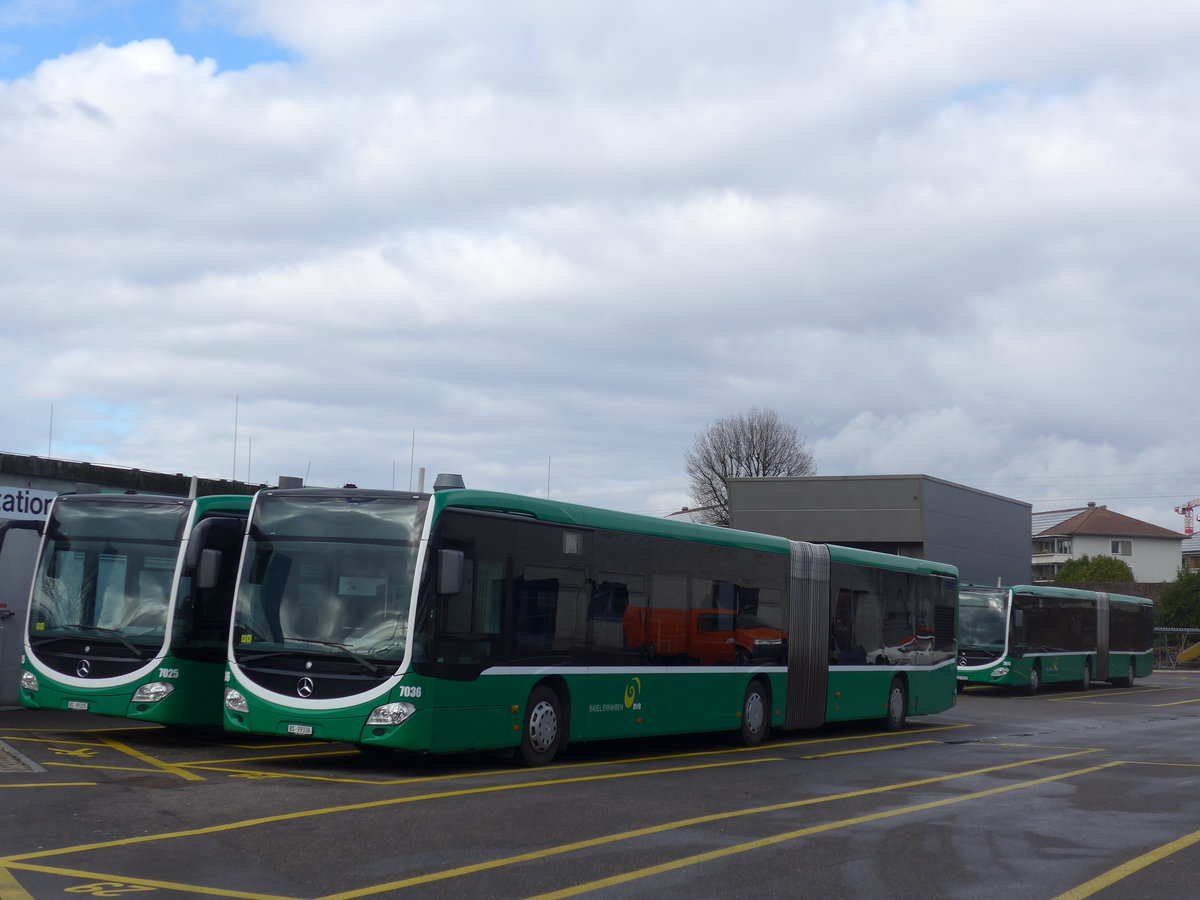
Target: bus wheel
[[1132, 672], [1035, 681], [755, 720], [897, 706], [541, 733], [1085, 683]]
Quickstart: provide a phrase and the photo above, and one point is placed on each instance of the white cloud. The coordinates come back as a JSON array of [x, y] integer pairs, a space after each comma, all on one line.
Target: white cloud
[[939, 237]]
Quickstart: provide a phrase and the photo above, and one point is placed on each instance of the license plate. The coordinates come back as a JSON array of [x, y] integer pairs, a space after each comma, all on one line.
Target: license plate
[[77, 704], [300, 729]]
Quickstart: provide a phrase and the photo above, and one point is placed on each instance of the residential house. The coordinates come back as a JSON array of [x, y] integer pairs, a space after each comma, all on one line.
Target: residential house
[[1153, 553], [1191, 553]]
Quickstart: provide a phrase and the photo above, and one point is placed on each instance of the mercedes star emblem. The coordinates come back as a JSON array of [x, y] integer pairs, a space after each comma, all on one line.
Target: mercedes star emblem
[[83, 669], [305, 687]]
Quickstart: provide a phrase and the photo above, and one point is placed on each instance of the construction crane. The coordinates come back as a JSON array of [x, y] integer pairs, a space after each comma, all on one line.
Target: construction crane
[[1188, 511]]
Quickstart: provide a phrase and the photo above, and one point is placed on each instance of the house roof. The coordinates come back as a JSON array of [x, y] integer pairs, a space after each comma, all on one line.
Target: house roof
[[1100, 520], [1043, 521]]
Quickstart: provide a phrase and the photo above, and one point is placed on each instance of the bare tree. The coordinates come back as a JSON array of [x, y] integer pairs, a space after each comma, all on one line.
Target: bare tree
[[753, 444]]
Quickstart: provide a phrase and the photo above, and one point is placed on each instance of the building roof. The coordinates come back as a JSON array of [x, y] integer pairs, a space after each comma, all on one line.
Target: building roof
[[1042, 521], [1100, 520]]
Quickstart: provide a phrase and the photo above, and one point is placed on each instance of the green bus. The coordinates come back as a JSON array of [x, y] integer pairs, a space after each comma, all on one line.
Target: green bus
[[468, 620], [1029, 635], [130, 605]]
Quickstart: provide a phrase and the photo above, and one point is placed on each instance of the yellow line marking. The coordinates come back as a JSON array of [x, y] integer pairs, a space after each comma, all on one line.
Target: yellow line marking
[[370, 804], [1093, 695], [1136, 762], [760, 843], [10, 888], [868, 750], [150, 760], [287, 746], [671, 826], [1112, 876], [104, 768], [147, 882], [52, 741], [84, 730], [1176, 703], [255, 773], [1083, 695], [214, 762]]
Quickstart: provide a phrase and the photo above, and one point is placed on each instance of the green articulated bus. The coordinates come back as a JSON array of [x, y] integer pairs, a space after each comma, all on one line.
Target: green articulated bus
[[130, 605], [1026, 636], [467, 619]]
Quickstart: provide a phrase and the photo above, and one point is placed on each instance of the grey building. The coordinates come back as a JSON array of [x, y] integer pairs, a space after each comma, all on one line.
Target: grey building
[[985, 535]]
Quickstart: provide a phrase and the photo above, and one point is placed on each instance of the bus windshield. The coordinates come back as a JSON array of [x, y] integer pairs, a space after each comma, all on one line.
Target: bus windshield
[[328, 574], [105, 572], [982, 618]]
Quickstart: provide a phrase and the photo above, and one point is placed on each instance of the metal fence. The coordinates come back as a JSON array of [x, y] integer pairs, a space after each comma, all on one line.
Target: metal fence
[[1170, 642]]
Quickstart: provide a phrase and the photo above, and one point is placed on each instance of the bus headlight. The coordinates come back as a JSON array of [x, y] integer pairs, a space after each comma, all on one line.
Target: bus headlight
[[999, 671], [235, 702], [29, 682], [391, 714], [152, 692]]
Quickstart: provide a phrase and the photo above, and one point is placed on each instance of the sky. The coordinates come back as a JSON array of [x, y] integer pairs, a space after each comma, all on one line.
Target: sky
[[545, 245]]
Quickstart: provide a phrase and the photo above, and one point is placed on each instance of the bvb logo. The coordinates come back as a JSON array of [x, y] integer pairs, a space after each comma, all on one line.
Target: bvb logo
[[632, 690]]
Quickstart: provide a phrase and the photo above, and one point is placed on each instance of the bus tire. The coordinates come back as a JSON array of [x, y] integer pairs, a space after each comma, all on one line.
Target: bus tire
[[756, 714], [897, 706], [541, 732], [1085, 681], [1035, 680]]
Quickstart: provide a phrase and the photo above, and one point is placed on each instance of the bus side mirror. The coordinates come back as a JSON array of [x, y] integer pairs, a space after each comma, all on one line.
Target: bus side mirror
[[450, 571], [208, 569]]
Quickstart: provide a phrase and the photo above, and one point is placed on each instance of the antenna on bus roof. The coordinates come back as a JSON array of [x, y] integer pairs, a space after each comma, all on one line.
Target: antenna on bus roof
[[444, 482]]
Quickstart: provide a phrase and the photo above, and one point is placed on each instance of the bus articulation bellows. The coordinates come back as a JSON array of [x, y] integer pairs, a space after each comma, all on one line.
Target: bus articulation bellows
[[130, 604], [467, 619], [1026, 636]]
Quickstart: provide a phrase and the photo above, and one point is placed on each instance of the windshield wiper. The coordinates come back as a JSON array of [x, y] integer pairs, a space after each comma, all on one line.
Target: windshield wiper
[[136, 651], [361, 660]]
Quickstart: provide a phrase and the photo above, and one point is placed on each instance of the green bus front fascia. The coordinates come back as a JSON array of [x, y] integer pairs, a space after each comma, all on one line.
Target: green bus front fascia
[[195, 700]]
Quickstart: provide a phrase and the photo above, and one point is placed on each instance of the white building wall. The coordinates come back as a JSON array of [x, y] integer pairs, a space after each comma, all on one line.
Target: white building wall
[[1153, 559]]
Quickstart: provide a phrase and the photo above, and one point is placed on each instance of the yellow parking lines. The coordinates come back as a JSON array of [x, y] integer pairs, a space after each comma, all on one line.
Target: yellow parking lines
[[760, 843], [120, 885], [150, 760], [17, 860], [1112, 876], [707, 819], [9, 889]]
